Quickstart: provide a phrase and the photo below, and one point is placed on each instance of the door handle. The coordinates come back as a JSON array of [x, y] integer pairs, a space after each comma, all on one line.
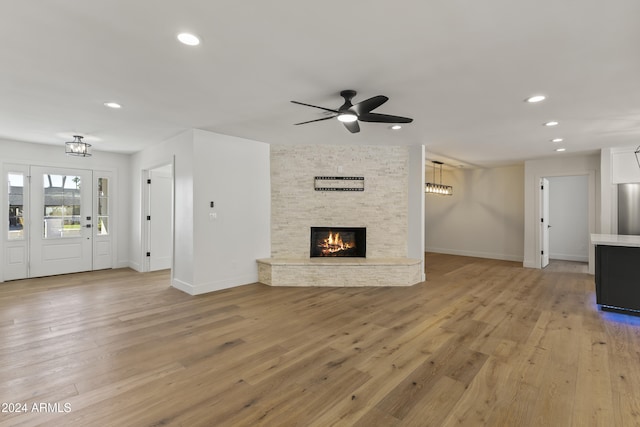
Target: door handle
[[88, 226]]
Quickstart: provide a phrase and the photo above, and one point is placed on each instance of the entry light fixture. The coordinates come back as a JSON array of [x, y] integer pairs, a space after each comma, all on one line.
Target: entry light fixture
[[77, 147], [636, 153], [438, 188]]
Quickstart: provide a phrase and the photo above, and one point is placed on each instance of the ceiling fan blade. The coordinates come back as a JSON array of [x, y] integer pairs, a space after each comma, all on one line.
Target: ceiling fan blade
[[315, 106], [353, 127], [369, 104], [383, 118], [316, 120]]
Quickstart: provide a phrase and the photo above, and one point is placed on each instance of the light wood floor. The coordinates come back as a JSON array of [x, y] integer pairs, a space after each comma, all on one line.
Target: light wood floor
[[481, 342]]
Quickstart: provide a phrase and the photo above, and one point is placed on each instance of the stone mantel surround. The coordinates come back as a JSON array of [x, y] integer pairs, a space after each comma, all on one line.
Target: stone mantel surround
[[382, 208]]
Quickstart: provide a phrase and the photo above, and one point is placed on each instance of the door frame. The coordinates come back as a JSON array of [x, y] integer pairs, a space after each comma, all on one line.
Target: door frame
[[144, 224], [23, 167], [591, 215]]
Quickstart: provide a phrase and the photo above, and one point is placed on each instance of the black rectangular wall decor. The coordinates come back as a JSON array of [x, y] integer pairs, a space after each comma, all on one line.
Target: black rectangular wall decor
[[339, 183]]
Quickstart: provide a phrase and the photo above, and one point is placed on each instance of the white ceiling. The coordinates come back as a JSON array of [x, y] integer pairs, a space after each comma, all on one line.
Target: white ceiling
[[460, 69]]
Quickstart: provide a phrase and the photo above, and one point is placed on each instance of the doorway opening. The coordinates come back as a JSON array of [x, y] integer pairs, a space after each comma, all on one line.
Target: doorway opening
[[565, 222]]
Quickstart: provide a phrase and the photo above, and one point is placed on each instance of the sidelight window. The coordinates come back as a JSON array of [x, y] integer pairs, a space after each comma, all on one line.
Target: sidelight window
[[16, 206], [103, 207]]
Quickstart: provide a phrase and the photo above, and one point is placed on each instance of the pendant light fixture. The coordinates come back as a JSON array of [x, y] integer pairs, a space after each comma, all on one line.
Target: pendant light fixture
[[433, 188], [77, 147]]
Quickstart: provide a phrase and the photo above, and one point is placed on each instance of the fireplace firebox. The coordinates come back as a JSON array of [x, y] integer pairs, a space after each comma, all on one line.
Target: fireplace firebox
[[338, 242]]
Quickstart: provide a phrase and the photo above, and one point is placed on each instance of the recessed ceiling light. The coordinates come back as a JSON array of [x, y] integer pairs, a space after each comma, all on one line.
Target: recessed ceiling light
[[557, 140], [560, 149], [347, 118], [535, 98], [395, 127], [112, 105], [552, 123], [188, 39]]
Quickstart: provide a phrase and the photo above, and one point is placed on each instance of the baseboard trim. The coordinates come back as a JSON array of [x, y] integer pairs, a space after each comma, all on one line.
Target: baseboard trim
[[183, 286], [219, 285], [567, 257], [489, 255]]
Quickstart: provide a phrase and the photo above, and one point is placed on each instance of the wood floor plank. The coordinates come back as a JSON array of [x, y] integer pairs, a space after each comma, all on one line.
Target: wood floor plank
[[481, 342], [486, 394]]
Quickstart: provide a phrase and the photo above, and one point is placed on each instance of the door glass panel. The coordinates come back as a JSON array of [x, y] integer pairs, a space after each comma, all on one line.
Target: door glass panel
[[61, 206], [16, 206], [103, 207]]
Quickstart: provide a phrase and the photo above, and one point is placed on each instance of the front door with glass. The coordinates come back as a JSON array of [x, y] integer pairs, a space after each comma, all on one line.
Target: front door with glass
[[61, 221]]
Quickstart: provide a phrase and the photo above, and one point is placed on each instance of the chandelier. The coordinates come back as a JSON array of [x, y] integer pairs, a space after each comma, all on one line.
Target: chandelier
[[77, 147], [439, 188]]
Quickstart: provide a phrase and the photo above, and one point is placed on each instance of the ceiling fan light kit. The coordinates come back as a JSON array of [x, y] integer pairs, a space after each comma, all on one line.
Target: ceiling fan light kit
[[347, 118], [350, 114]]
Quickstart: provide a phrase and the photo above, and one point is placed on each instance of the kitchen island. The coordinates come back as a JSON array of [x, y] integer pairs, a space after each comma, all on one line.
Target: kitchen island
[[617, 272]]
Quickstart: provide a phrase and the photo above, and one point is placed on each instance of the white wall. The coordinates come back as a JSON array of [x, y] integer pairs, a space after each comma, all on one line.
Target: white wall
[[568, 217], [234, 174], [416, 244], [561, 165], [483, 218], [13, 152]]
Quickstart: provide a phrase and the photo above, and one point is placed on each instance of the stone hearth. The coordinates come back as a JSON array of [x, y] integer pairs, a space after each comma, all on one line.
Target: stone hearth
[[340, 271]]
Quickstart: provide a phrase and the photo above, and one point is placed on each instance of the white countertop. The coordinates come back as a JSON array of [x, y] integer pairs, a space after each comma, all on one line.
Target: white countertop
[[615, 240]]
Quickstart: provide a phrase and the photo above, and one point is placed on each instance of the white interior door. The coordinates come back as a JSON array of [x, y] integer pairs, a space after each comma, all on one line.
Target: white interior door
[[544, 223], [160, 208], [61, 234]]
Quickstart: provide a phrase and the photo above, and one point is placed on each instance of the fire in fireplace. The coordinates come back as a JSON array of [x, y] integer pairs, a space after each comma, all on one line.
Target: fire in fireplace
[[338, 242]]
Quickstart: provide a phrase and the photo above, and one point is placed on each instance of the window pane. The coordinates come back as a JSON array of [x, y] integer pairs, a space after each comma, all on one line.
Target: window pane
[[103, 207], [103, 187], [103, 225], [61, 206], [16, 206]]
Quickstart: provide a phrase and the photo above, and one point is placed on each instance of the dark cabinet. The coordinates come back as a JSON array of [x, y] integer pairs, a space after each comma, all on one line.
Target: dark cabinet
[[618, 277]]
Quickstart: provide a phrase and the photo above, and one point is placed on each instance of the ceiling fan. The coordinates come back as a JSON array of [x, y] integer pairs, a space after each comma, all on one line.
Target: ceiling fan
[[349, 114]]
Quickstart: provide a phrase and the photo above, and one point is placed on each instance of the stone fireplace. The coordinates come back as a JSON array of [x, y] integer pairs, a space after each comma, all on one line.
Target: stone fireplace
[[306, 248], [338, 242]]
